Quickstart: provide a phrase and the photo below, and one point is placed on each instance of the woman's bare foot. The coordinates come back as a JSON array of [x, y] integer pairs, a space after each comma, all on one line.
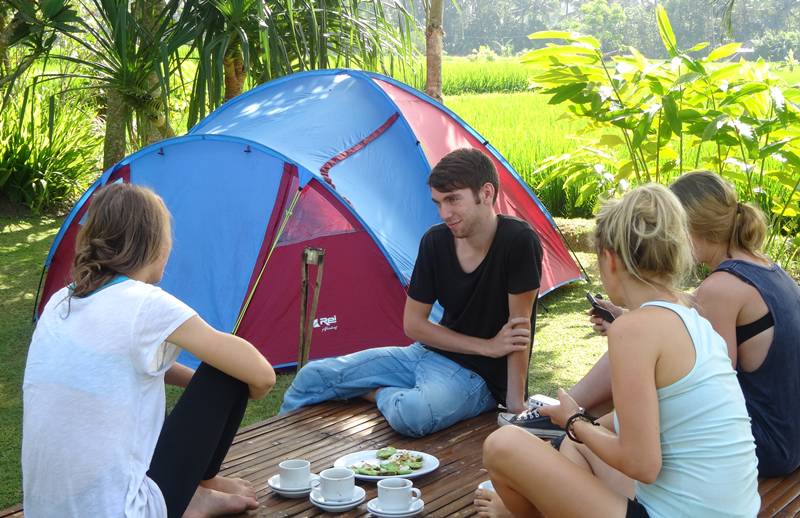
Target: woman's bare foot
[[489, 504], [232, 486], [210, 502]]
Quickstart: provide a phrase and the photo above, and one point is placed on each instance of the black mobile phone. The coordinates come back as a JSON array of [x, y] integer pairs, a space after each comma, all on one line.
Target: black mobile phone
[[599, 310]]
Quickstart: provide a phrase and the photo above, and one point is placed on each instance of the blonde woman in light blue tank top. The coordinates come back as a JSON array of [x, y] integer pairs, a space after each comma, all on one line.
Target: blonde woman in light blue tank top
[[679, 443]]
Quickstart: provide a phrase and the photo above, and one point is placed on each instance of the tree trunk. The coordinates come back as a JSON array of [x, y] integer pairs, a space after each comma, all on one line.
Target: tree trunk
[[5, 67], [8, 25], [117, 113], [152, 123], [434, 34], [234, 72]]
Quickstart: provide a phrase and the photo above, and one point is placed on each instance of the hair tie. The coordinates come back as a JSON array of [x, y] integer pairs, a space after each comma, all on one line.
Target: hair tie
[[738, 208]]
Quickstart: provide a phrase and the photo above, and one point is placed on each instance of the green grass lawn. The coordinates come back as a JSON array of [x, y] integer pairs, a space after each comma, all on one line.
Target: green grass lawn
[[564, 348], [23, 248]]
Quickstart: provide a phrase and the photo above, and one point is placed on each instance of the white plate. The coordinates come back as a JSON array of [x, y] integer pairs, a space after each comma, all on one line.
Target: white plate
[[416, 507], [429, 463], [274, 483], [359, 495], [486, 485]]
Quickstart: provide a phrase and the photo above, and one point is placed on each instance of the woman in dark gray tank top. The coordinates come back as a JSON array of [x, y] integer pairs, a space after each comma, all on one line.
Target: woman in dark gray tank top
[[755, 306], [752, 303]]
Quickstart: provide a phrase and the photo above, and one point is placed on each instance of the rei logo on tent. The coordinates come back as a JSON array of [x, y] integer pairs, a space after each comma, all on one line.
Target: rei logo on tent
[[326, 323]]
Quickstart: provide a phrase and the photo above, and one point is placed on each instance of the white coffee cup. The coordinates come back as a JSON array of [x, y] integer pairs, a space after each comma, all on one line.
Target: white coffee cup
[[336, 484], [294, 474], [396, 494]]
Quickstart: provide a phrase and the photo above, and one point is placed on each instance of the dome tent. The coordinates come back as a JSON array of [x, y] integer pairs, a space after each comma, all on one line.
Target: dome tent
[[335, 159]]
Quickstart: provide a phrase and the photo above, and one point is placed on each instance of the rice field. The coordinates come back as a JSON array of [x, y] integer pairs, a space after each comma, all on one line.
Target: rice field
[[525, 129], [501, 75], [462, 75]]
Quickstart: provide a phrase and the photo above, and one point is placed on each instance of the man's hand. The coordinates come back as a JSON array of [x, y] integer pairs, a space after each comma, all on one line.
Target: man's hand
[[514, 336], [598, 324]]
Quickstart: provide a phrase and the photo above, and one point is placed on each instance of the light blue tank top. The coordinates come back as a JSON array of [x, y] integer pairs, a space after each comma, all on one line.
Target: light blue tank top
[[709, 466]]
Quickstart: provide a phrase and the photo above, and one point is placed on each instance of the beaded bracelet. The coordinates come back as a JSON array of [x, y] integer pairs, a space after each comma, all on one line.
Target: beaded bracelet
[[579, 415]]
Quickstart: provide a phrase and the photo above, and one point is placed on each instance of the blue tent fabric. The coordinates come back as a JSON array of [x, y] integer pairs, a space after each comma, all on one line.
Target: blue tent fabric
[[221, 181], [333, 111]]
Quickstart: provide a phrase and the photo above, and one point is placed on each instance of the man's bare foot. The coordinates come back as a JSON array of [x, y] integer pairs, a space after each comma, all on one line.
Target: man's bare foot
[[489, 504], [232, 486], [371, 395], [210, 502]]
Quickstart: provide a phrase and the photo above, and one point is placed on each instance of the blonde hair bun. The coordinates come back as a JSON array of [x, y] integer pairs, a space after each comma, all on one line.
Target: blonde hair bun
[[647, 229]]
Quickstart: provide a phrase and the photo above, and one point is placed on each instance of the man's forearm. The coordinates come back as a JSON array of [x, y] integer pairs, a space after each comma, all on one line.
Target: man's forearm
[[438, 336], [517, 374]]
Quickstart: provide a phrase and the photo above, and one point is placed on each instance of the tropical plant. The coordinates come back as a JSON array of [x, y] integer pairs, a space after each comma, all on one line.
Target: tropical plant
[[33, 32], [128, 58], [659, 118], [48, 152], [132, 51], [237, 40]]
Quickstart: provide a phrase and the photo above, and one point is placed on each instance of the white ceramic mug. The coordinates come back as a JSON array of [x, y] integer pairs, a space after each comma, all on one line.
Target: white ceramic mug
[[336, 484], [396, 494], [294, 474]]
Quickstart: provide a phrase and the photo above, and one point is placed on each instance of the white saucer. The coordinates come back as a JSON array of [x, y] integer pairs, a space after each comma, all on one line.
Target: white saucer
[[274, 483], [338, 507], [416, 507]]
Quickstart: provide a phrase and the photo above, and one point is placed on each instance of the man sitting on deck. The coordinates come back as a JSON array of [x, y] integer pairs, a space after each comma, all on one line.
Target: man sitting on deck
[[484, 270]]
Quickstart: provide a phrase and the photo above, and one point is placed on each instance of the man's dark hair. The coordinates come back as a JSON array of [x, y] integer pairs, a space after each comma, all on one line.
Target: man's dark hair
[[464, 168]]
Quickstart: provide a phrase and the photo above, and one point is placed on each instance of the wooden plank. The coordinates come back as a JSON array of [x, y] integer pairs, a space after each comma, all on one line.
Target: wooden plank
[[781, 495], [325, 432], [791, 510], [14, 511]]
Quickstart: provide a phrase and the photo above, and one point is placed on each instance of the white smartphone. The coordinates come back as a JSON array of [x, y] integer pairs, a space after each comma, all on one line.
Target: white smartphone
[[539, 400]]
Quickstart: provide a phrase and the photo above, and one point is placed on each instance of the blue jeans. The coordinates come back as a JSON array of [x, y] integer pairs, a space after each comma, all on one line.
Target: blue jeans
[[421, 391]]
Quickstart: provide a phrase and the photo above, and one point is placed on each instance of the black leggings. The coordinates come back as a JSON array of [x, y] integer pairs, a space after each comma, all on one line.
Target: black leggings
[[196, 436]]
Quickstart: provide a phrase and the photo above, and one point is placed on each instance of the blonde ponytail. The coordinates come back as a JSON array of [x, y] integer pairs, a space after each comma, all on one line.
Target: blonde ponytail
[[716, 216], [749, 229]]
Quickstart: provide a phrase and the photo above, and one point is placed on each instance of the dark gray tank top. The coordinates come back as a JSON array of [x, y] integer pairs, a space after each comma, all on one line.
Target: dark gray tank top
[[772, 392]]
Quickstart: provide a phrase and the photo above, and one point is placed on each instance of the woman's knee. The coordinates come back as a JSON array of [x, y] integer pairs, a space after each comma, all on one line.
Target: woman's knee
[[504, 445]]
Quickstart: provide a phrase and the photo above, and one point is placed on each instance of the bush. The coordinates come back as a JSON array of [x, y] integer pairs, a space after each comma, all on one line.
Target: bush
[[777, 45], [48, 152], [651, 120]]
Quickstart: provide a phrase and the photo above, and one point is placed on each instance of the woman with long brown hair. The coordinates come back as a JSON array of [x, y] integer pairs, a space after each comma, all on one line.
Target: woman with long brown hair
[[95, 440]]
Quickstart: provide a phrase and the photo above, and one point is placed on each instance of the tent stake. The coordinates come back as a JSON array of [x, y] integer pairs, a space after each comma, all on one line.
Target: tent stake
[[311, 256]]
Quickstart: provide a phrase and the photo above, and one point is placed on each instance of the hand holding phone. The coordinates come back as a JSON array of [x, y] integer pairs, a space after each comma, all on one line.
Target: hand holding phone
[[598, 309]]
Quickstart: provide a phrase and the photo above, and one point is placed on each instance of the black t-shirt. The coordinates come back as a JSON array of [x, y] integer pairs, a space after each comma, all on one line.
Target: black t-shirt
[[476, 303]]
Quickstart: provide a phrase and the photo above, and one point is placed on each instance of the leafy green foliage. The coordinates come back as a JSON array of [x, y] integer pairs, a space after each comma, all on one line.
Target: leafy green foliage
[[48, 151], [112, 48], [658, 119], [272, 39]]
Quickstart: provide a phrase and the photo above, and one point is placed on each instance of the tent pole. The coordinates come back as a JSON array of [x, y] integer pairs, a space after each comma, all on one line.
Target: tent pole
[[38, 293]]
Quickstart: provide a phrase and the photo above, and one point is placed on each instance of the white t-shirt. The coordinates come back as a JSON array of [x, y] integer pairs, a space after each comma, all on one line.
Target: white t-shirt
[[94, 402]]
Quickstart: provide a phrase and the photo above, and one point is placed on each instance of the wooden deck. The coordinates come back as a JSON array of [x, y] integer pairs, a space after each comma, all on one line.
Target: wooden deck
[[325, 432]]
